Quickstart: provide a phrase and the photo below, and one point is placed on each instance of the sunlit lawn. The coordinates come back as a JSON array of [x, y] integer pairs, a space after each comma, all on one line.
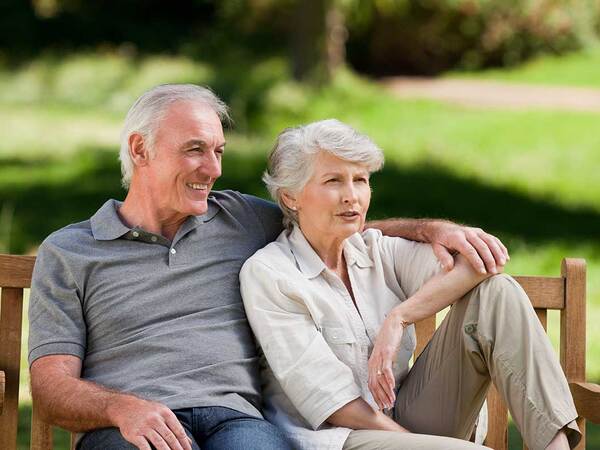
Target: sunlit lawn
[[530, 177], [580, 69]]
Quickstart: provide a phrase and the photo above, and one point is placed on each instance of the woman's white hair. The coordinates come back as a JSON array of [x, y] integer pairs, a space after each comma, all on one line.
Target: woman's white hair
[[290, 163], [146, 113]]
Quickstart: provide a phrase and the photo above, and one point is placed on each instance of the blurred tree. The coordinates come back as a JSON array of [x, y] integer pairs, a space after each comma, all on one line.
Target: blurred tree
[[317, 36], [318, 39]]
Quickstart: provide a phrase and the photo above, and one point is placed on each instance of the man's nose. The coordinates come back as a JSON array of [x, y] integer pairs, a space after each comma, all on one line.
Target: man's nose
[[212, 165]]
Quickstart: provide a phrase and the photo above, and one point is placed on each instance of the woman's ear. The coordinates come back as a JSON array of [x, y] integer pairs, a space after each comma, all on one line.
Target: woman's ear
[[138, 150], [289, 200]]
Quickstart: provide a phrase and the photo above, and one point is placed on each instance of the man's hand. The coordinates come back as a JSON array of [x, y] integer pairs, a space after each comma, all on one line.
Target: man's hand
[[64, 399], [144, 422], [483, 251]]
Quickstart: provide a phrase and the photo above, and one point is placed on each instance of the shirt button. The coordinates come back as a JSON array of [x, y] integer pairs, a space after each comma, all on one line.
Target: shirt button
[[173, 251], [136, 234], [154, 239]]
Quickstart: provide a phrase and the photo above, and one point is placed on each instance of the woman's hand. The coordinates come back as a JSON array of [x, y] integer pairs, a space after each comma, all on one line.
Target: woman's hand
[[383, 356]]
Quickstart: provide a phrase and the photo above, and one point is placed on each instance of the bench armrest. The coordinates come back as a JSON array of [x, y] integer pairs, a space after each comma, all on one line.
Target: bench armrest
[[2, 386], [587, 400]]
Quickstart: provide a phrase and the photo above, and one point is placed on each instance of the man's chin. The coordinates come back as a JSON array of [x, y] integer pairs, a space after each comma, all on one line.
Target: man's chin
[[197, 208]]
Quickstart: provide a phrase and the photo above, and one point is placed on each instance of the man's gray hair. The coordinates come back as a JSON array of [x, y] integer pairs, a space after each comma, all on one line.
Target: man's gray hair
[[146, 113], [291, 160]]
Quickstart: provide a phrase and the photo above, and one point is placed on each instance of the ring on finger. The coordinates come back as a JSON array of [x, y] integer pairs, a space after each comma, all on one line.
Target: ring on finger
[[379, 372]]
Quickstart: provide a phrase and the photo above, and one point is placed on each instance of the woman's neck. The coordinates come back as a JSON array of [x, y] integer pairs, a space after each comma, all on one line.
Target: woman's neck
[[329, 248]]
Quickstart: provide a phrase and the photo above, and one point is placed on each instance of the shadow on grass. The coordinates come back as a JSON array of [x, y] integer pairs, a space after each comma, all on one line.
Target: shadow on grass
[[53, 193], [62, 438]]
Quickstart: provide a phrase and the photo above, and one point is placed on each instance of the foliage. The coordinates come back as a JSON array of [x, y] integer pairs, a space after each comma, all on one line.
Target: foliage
[[385, 36], [429, 36]]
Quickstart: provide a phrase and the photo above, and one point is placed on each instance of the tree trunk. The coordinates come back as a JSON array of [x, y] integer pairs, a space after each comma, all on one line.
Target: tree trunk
[[318, 40]]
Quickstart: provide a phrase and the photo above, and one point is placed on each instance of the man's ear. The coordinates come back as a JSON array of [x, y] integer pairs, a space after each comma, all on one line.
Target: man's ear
[[138, 150], [289, 200]]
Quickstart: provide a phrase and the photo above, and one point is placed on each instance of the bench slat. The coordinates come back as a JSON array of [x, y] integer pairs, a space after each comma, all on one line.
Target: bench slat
[[544, 292], [543, 317], [15, 271]]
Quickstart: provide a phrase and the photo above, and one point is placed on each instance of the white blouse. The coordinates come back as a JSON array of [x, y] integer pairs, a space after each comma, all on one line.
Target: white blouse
[[316, 341]]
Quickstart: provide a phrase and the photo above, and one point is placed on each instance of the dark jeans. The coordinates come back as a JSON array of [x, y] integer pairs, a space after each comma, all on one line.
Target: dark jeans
[[211, 428]]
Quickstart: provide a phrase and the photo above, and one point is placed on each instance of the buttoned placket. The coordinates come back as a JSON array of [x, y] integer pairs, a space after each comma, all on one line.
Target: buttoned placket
[[356, 320], [138, 234], [186, 228]]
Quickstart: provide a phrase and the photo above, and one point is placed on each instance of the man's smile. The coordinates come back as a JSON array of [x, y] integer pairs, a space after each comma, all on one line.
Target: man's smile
[[197, 186]]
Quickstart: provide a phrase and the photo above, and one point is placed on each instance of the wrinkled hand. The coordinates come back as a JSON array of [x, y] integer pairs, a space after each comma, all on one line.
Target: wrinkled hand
[[144, 422], [484, 251], [384, 354]]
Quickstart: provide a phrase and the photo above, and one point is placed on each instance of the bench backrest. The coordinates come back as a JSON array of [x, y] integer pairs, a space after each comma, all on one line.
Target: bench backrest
[[565, 293]]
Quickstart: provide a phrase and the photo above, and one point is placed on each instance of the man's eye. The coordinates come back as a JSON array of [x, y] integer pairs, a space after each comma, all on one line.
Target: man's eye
[[362, 180]]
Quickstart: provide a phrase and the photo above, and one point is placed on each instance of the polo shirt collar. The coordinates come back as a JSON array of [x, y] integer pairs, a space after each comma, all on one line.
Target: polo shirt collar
[[310, 263], [107, 225]]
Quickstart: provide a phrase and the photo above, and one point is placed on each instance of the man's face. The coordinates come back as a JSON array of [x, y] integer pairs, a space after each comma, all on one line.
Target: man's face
[[188, 147]]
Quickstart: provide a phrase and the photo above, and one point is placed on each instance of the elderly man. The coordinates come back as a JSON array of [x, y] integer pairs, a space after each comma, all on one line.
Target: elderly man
[[137, 331]]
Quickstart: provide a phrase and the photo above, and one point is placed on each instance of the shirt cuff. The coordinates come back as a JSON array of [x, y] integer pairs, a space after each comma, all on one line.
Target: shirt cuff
[[56, 348]]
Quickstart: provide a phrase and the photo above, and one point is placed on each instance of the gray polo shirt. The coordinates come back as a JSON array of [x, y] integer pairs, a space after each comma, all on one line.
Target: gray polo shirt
[[163, 320]]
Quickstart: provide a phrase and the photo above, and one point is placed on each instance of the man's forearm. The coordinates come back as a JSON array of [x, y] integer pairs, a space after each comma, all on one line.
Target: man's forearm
[[64, 399], [75, 404], [413, 229]]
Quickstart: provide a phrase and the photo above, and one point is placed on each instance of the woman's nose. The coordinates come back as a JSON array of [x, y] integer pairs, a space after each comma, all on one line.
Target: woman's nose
[[349, 194]]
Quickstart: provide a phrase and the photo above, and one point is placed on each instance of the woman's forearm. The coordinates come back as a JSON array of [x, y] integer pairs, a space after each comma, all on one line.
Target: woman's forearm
[[440, 291], [359, 415]]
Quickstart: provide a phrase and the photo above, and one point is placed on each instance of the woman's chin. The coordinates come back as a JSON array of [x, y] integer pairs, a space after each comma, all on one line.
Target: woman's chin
[[346, 230]]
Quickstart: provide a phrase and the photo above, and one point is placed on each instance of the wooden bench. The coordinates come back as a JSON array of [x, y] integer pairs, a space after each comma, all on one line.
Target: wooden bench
[[565, 293]]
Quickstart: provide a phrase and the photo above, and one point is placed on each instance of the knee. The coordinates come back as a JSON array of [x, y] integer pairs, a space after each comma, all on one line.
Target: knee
[[500, 296], [104, 438], [502, 288], [269, 436]]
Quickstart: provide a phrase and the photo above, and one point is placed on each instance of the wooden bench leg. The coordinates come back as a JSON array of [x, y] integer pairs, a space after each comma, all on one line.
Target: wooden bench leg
[[11, 312], [41, 432], [497, 435]]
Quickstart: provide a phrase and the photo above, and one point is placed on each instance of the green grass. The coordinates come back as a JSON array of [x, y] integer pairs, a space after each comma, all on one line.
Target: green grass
[[529, 177], [579, 69]]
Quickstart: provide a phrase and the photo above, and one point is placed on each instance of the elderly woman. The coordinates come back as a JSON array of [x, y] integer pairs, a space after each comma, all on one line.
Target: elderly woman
[[332, 306]]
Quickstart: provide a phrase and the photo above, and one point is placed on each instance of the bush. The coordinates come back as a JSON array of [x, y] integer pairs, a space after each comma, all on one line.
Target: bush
[[429, 36]]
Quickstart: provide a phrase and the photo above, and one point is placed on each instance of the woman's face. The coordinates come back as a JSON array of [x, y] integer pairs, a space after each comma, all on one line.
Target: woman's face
[[336, 198]]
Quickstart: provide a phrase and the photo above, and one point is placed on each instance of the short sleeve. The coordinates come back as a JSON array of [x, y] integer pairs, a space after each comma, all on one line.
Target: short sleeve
[[269, 214], [414, 262], [314, 379], [56, 322]]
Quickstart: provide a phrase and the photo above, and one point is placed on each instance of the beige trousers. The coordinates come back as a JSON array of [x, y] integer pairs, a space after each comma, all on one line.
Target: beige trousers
[[492, 333]]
